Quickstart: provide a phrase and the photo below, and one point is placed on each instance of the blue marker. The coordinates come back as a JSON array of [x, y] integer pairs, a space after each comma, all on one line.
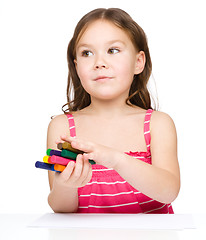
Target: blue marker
[[45, 166]]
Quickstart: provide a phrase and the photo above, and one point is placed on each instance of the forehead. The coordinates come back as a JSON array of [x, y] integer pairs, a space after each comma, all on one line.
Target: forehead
[[103, 30]]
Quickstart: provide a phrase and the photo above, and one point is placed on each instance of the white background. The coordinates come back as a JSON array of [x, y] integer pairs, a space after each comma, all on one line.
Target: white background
[[34, 35]]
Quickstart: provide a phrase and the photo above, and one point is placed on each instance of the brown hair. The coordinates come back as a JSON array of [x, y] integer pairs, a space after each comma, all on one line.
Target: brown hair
[[138, 94]]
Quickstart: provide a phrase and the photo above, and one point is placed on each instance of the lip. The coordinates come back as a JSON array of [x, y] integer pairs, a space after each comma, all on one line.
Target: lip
[[102, 78]]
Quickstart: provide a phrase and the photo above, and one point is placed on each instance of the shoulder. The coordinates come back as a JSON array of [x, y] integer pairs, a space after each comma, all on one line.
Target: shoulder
[[161, 120], [58, 125], [58, 121], [162, 126]]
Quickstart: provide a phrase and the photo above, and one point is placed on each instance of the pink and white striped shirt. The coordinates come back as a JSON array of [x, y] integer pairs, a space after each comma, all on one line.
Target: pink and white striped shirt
[[108, 192]]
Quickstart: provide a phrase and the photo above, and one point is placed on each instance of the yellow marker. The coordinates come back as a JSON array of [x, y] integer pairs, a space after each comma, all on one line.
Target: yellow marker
[[45, 159]]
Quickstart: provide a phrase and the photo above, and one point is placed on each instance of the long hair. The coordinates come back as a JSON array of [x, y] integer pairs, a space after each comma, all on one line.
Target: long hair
[[77, 97]]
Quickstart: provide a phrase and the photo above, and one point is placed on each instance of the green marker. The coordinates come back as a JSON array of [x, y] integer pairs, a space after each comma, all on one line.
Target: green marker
[[68, 154], [71, 155]]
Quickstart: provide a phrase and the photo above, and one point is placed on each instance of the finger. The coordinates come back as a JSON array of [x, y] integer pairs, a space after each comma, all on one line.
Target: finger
[[59, 141], [78, 169], [86, 169], [88, 156], [66, 138], [68, 170], [82, 145], [78, 144], [87, 173]]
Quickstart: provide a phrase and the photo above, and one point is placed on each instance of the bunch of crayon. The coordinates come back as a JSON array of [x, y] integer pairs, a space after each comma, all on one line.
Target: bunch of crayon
[[56, 160]]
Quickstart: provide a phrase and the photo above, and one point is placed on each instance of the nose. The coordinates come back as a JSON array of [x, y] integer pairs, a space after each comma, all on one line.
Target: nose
[[100, 66], [100, 63]]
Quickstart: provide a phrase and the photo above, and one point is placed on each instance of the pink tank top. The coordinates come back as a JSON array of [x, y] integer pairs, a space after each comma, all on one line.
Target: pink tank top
[[108, 192]]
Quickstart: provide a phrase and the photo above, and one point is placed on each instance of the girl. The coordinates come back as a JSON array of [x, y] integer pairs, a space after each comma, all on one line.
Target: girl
[[111, 120]]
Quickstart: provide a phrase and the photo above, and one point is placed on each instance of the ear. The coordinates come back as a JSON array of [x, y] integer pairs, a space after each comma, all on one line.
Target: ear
[[76, 66], [140, 62], [75, 63]]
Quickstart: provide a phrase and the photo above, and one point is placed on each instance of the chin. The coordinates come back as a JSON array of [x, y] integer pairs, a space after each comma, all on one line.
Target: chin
[[107, 97]]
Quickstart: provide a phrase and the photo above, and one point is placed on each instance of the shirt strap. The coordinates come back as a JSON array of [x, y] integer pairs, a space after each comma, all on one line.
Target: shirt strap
[[147, 128], [71, 125]]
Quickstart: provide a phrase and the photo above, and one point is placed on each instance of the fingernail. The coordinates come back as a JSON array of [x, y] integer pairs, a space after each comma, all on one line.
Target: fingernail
[[71, 163]]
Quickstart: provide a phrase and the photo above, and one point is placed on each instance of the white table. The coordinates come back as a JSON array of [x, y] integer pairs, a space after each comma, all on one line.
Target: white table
[[15, 226]]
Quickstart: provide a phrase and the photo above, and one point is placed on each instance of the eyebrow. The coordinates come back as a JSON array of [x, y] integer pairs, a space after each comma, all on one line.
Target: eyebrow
[[109, 43]]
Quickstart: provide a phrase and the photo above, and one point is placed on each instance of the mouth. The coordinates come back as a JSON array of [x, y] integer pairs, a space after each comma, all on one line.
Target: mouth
[[102, 79]]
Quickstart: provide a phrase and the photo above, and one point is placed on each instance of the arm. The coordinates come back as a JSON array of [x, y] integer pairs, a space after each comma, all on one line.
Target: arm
[[161, 179], [64, 186]]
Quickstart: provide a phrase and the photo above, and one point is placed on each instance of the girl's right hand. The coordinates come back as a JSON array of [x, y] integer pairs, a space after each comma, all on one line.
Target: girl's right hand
[[75, 175]]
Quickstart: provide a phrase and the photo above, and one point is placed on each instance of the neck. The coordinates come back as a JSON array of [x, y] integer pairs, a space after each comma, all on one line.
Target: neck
[[112, 108]]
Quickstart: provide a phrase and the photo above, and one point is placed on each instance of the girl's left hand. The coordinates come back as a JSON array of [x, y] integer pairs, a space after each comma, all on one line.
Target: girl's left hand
[[101, 154]]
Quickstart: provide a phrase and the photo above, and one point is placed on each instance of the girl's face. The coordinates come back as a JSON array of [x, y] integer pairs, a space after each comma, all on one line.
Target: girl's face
[[106, 61]]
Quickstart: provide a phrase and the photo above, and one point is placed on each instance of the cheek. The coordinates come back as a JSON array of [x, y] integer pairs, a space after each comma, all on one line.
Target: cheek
[[82, 71], [84, 75], [125, 71], [125, 66]]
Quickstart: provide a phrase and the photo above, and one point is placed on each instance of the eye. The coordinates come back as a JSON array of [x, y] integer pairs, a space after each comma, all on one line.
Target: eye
[[113, 50], [87, 53]]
